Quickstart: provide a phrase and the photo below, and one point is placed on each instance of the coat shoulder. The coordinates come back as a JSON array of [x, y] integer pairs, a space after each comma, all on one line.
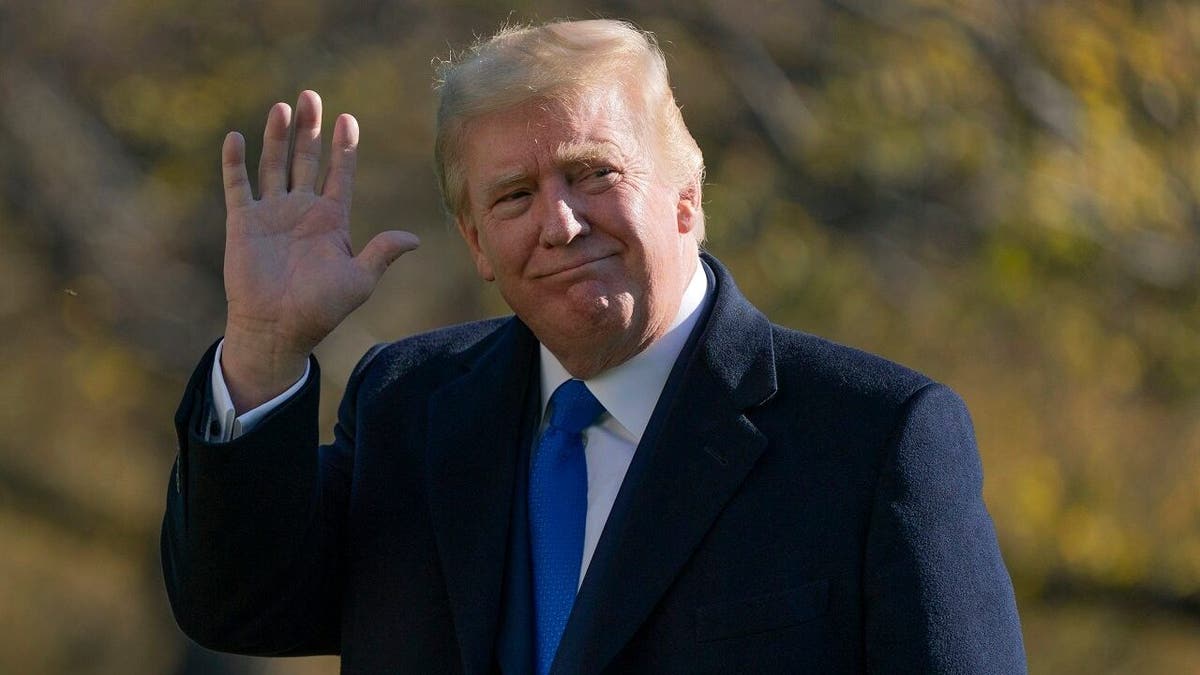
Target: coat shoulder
[[437, 354], [834, 371]]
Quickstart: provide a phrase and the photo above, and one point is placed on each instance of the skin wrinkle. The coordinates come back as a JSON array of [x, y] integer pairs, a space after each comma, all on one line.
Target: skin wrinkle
[[595, 263], [581, 154], [563, 68]]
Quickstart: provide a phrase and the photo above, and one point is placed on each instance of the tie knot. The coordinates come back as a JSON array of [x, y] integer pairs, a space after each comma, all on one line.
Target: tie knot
[[573, 408]]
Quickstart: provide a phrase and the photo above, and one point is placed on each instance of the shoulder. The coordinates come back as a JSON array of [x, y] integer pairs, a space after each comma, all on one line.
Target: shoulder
[[848, 392], [830, 386], [848, 371], [865, 416], [448, 343], [435, 355]]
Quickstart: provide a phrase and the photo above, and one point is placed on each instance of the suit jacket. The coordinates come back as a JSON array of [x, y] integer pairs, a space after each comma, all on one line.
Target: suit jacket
[[796, 506]]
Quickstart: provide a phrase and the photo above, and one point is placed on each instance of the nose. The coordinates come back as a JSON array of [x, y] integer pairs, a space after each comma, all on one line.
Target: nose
[[562, 222]]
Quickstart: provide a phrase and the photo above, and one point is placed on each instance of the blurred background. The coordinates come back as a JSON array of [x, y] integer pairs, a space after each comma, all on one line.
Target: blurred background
[[1004, 194]]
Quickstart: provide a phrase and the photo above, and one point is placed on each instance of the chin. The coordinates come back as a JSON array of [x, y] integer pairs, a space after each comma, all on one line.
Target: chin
[[581, 318], [594, 304]]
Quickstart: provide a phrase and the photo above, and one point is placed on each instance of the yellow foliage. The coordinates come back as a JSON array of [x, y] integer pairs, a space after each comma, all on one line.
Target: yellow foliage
[[1001, 194]]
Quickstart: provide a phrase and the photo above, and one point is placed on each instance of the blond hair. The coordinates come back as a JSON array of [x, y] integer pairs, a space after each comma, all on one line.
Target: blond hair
[[562, 61]]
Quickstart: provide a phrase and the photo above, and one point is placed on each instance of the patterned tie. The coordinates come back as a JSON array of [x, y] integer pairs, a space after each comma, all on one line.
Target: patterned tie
[[557, 511]]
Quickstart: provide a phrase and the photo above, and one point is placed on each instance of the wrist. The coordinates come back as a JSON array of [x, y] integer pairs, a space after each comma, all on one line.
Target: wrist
[[257, 371]]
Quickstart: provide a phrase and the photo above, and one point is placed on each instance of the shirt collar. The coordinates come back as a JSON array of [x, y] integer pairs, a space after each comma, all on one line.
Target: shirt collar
[[630, 391]]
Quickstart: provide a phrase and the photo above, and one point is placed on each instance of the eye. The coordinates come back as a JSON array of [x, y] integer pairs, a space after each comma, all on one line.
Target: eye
[[511, 204], [599, 178], [513, 196]]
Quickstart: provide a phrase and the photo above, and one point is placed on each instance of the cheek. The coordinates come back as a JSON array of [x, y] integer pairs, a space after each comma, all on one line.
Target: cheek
[[505, 248], [653, 225], [628, 220]]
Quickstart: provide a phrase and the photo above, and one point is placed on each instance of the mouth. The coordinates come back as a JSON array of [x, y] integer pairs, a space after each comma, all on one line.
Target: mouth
[[573, 266]]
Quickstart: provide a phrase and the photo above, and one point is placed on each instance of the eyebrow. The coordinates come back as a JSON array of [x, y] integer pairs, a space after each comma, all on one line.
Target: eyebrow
[[505, 181], [571, 153], [582, 153]]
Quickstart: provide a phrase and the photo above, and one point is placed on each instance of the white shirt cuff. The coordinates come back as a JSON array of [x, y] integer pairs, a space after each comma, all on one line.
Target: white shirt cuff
[[224, 424]]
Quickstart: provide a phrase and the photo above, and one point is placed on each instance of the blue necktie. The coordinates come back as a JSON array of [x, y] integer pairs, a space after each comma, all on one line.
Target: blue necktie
[[557, 511]]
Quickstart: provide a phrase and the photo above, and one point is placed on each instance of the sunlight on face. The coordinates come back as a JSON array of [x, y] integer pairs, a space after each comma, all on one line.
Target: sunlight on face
[[569, 214]]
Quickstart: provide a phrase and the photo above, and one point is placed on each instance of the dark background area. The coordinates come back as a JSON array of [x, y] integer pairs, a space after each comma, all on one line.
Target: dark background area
[[1003, 194]]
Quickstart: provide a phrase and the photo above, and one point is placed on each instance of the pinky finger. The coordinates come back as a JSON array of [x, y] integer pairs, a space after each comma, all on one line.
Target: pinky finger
[[233, 171]]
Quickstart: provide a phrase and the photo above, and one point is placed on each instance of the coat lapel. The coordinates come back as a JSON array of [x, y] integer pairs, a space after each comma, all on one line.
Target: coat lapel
[[474, 425], [698, 449]]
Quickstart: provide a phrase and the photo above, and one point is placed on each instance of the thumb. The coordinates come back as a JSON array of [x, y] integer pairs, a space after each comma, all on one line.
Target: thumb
[[384, 248]]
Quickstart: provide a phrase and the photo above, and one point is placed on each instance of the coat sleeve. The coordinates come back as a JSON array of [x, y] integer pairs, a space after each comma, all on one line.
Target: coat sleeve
[[251, 540], [938, 596]]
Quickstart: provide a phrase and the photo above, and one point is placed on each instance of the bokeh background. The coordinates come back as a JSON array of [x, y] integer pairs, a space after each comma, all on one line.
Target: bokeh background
[[1004, 194]]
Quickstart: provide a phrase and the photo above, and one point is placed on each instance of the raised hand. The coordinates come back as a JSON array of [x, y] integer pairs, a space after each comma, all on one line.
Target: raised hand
[[291, 275]]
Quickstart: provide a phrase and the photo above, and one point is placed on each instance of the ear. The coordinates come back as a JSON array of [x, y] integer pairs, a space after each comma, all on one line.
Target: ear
[[470, 234], [687, 209]]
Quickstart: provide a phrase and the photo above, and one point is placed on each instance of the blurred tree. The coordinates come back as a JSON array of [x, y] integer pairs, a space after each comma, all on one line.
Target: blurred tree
[[1002, 193]]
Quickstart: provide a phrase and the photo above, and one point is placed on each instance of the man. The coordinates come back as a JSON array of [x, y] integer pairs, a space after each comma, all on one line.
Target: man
[[636, 473]]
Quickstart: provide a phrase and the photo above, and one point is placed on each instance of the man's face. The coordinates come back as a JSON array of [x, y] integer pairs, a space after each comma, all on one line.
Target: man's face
[[572, 216]]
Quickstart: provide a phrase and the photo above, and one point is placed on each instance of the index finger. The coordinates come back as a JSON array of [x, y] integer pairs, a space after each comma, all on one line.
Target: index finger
[[233, 171], [339, 184]]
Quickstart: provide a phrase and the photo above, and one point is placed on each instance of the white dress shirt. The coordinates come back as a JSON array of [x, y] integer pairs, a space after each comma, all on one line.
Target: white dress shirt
[[628, 392]]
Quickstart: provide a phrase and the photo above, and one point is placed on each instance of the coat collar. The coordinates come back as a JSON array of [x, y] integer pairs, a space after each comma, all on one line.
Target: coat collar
[[696, 453]]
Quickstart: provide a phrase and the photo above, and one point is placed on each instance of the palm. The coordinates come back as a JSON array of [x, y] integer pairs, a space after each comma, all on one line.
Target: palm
[[289, 265], [291, 275]]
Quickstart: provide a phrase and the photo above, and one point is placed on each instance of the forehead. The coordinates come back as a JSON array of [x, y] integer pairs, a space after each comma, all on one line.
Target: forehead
[[549, 132]]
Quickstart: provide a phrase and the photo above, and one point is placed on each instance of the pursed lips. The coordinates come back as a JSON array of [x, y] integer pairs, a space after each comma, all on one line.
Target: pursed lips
[[578, 264]]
